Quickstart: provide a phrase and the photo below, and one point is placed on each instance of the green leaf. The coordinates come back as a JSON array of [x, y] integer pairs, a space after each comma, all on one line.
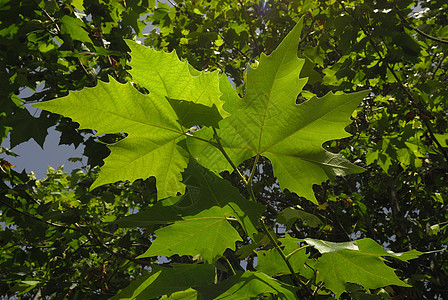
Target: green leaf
[[199, 219], [248, 285], [329, 247], [74, 28], [204, 237], [190, 294], [442, 138], [271, 263], [267, 122], [289, 215], [25, 127], [150, 149], [356, 262], [163, 281], [164, 75]]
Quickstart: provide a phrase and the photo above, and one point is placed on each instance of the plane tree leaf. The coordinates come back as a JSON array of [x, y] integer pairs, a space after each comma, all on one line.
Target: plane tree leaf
[[198, 222], [267, 122], [163, 281], [150, 149], [271, 263], [164, 75], [289, 215], [356, 262], [247, 285]]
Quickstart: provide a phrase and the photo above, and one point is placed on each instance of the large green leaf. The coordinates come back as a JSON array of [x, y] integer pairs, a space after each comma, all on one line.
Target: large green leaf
[[150, 149], [247, 285], [199, 220], [267, 122], [164, 75], [356, 262], [165, 281]]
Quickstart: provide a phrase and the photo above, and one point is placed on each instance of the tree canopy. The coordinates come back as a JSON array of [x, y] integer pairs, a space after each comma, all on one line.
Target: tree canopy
[[236, 149]]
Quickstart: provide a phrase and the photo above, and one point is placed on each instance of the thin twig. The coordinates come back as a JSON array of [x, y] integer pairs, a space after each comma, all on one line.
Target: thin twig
[[295, 251], [439, 64], [230, 265]]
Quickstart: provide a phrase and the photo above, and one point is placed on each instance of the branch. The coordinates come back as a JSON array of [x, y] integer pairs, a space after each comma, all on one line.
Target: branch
[[37, 218], [436, 39], [408, 25], [94, 237]]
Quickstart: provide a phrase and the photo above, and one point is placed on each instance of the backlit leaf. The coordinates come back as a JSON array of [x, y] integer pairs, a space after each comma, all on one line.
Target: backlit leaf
[[150, 149], [267, 122], [198, 221], [356, 262]]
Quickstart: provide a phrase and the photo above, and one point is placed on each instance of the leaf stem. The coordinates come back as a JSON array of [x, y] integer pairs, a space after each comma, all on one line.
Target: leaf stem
[[294, 278], [295, 251], [251, 177], [221, 148], [230, 265]]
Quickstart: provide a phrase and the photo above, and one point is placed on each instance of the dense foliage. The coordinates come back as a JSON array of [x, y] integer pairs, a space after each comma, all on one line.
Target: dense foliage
[[60, 238]]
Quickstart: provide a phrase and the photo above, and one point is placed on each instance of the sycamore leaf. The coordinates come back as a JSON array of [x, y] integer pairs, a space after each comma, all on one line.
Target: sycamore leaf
[[328, 247], [289, 215], [189, 294], [199, 220], [150, 149], [164, 75], [356, 262], [204, 236], [74, 28], [247, 285], [267, 122], [164, 281], [26, 127], [271, 263]]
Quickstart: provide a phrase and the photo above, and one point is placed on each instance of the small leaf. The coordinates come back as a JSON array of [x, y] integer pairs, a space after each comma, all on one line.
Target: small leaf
[[74, 28], [289, 215], [328, 247], [271, 263]]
